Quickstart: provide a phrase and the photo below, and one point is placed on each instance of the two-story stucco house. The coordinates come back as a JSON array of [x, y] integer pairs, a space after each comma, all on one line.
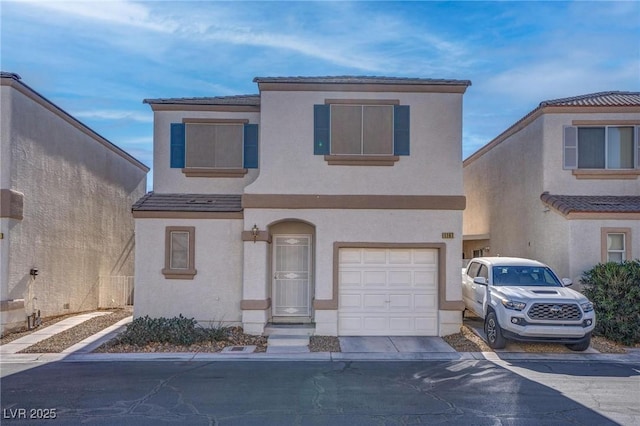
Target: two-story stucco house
[[330, 201], [562, 185], [65, 195]]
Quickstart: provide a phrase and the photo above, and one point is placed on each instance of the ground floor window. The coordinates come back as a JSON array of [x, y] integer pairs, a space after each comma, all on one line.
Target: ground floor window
[[179, 257], [616, 244]]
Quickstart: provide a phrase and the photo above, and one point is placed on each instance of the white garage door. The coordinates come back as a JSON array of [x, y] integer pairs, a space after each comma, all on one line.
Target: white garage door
[[388, 292]]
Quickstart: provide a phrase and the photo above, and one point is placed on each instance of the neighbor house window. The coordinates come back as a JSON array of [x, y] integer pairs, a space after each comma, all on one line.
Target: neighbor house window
[[179, 252], [601, 147], [361, 132], [616, 244]]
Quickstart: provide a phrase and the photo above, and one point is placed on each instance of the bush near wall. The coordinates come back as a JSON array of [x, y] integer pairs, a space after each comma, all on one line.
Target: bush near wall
[[614, 289], [176, 331]]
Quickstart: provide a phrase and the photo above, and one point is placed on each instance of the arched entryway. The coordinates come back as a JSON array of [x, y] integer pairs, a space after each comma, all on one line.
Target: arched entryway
[[292, 271]]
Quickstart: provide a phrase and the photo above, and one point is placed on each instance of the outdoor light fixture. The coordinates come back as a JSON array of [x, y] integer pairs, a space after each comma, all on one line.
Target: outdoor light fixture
[[34, 272], [254, 232]]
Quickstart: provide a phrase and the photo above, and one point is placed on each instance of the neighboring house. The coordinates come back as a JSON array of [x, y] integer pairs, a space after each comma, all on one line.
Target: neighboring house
[[65, 222], [331, 201], [562, 185]]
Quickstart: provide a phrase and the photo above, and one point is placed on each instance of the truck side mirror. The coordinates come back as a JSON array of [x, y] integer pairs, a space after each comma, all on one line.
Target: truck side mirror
[[480, 280], [567, 282]]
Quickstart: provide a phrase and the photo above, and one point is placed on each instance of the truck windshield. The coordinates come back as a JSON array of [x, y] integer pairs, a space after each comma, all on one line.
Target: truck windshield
[[524, 276]]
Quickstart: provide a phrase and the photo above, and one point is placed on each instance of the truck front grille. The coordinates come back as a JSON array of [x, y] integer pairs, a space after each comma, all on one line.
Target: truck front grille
[[555, 311]]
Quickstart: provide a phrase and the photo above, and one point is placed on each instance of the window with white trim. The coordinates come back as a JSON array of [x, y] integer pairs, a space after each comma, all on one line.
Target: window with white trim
[[616, 247], [616, 244]]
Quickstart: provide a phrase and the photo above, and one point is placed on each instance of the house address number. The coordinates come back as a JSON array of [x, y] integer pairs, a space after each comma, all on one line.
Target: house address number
[[447, 235]]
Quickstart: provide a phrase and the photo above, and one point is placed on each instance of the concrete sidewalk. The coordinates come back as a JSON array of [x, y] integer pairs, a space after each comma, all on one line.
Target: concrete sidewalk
[[352, 349]]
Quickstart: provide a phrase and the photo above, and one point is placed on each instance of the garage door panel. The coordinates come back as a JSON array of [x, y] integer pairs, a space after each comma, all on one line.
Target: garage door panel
[[350, 324], [353, 301], [374, 257], [425, 257], [400, 324], [400, 278], [375, 323], [402, 257], [425, 279], [350, 256], [401, 301], [374, 301], [389, 292], [374, 279], [350, 278], [424, 302]]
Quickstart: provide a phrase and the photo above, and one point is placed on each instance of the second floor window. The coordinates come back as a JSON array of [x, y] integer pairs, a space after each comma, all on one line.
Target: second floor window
[[601, 147], [213, 145], [362, 129], [228, 146], [605, 148]]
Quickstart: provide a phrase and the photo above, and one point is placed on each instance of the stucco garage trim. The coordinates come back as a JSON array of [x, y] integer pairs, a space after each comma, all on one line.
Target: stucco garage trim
[[443, 304]]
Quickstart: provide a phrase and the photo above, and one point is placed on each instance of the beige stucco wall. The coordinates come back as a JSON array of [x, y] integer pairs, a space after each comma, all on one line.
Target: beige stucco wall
[[364, 226], [586, 243], [503, 188], [78, 190], [167, 180], [288, 166], [560, 181], [214, 294]]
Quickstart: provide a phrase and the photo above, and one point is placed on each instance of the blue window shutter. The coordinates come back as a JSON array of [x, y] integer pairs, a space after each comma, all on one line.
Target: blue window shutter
[[321, 126], [401, 134], [251, 146], [177, 145]]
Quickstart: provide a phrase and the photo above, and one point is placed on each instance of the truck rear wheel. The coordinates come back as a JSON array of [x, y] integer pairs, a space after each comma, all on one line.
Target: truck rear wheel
[[492, 329]]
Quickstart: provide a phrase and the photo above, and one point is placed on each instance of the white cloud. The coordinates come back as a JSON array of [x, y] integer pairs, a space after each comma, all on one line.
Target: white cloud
[[112, 12], [114, 115]]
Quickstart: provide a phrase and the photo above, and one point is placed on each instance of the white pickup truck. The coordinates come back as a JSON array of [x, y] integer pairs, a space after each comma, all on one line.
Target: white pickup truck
[[522, 299]]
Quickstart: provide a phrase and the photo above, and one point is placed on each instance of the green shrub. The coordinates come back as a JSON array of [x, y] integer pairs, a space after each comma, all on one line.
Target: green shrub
[[177, 331], [614, 289], [213, 333]]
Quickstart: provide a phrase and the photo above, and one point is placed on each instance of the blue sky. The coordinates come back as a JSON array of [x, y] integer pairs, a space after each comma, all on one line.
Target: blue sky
[[99, 59]]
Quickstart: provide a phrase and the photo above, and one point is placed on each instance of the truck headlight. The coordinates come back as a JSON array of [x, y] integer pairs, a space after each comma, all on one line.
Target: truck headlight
[[586, 306], [514, 305]]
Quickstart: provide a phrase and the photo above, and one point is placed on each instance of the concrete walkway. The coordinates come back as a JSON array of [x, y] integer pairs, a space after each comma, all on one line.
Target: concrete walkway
[[40, 335]]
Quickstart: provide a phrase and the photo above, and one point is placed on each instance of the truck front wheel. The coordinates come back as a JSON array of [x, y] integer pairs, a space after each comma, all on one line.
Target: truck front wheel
[[492, 329]]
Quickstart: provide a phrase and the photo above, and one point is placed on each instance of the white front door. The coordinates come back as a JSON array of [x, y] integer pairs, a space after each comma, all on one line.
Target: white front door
[[291, 275]]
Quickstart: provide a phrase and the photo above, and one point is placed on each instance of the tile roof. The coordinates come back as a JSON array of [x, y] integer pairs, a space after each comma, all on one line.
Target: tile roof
[[613, 98], [346, 79], [566, 204], [4, 74], [189, 203], [239, 100]]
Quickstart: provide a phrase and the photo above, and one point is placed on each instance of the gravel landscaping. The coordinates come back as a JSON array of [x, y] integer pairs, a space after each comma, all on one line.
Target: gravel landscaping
[[464, 341], [67, 338]]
